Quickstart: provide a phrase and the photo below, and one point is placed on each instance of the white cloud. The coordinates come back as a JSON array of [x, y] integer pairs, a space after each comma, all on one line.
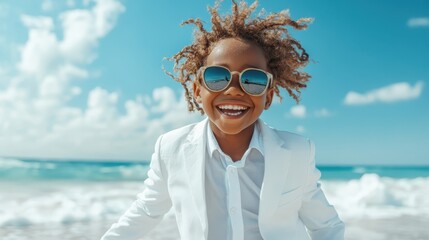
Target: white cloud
[[102, 106], [401, 91], [99, 130], [165, 98], [54, 62], [83, 29], [40, 54], [298, 111], [300, 129], [102, 131], [323, 112], [105, 15], [418, 22], [43, 23]]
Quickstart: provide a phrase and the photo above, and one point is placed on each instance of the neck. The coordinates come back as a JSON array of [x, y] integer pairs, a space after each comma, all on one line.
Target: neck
[[234, 145]]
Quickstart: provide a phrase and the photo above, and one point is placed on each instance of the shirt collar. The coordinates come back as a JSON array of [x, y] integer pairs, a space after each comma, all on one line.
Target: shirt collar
[[255, 142]]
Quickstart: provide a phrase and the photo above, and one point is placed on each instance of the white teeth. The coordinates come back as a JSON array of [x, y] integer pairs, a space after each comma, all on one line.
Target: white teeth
[[236, 108], [234, 114], [232, 107]]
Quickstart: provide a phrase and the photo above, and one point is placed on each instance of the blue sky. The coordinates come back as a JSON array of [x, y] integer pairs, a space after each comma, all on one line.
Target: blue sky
[[84, 79]]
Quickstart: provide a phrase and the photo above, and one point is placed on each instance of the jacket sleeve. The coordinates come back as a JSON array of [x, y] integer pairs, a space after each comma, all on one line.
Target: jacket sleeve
[[149, 208], [320, 218]]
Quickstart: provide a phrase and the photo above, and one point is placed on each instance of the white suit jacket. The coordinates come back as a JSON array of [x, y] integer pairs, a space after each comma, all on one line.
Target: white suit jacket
[[292, 205]]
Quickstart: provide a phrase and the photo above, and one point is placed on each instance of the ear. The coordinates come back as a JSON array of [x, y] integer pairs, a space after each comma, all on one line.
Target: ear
[[269, 98], [197, 91]]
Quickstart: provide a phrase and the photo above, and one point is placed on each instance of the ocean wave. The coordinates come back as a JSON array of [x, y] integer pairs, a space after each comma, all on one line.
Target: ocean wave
[[63, 202], [372, 196]]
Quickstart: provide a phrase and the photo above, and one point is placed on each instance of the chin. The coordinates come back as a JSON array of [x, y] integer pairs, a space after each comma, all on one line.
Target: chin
[[232, 130]]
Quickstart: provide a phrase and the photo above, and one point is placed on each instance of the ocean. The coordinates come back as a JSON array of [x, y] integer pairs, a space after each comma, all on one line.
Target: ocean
[[45, 200]]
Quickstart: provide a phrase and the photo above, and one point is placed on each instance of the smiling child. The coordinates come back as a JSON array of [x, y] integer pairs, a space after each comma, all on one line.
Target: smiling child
[[231, 176]]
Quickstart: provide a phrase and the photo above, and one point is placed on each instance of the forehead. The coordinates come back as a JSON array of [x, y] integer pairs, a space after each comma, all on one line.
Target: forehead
[[237, 53]]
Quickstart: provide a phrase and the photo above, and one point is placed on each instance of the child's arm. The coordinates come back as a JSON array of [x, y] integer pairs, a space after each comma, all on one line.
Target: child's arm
[[149, 208], [320, 218]]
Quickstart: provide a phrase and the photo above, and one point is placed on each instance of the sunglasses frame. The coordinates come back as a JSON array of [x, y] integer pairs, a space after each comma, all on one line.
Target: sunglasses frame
[[232, 73]]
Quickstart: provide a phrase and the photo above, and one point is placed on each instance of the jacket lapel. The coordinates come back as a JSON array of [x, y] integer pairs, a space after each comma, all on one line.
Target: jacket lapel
[[277, 160], [194, 150]]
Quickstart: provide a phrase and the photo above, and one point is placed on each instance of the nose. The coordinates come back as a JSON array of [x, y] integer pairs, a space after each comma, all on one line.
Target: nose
[[234, 87]]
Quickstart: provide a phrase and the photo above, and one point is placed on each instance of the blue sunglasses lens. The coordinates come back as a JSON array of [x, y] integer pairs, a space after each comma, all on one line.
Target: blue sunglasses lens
[[216, 78], [254, 81]]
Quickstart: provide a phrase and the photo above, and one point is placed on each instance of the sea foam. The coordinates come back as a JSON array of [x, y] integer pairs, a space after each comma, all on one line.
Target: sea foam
[[46, 202], [373, 196], [63, 202]]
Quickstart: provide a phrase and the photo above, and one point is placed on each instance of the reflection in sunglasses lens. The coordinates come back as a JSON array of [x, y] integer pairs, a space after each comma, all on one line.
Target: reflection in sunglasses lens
[[253, 81], [216, 78]]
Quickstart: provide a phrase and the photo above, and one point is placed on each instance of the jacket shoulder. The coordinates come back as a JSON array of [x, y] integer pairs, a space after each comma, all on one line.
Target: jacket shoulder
[[172, 141]]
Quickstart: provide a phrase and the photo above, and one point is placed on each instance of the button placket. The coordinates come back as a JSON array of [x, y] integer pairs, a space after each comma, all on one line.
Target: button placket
[[234, 203]]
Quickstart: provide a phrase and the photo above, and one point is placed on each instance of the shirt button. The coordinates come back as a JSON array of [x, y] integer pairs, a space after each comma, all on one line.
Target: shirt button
[[232, 170], [233, 210]]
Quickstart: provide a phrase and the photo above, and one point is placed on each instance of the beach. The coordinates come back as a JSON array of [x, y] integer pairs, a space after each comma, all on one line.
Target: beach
[[83, 202], [406, 227]]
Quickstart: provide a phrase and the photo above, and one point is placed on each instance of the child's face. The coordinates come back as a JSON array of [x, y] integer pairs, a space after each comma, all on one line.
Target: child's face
[[236, 55]]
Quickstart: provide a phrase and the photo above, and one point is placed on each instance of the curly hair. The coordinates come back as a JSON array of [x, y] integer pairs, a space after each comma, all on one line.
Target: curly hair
[[285, 55]]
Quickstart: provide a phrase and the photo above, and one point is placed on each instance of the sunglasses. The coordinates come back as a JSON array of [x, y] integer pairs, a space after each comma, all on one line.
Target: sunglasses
[[252, 80]]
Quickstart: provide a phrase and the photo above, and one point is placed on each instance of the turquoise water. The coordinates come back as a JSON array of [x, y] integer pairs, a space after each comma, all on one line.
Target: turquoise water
[[355, 172], [26, 169]]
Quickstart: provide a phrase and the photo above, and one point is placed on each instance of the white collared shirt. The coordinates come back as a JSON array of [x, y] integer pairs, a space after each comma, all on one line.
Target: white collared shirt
[[233, 190]]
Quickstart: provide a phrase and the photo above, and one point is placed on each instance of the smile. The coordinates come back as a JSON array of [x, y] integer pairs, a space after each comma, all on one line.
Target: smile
[[232, 110]]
